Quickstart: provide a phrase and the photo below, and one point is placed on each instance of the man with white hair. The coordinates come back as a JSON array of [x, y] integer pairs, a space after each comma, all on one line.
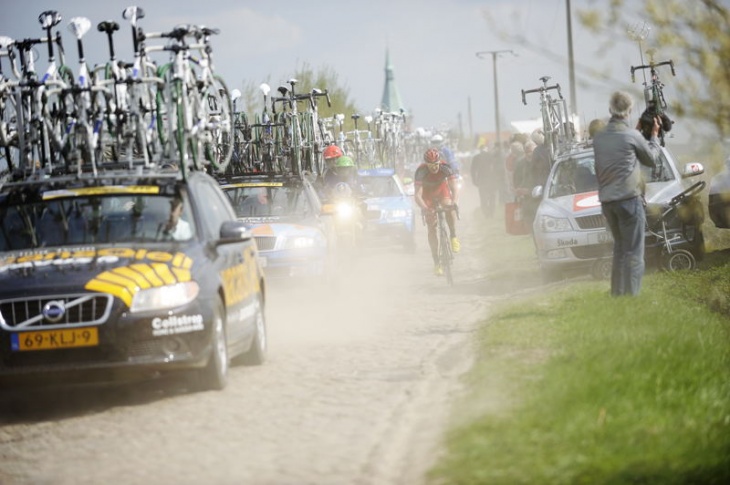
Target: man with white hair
[[618, 150]]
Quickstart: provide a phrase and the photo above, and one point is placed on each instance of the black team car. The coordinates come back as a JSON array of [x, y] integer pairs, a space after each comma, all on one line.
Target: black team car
[[124, 276]]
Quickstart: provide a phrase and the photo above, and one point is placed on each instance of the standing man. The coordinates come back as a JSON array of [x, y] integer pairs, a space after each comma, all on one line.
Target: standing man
[[619, 150], [482, 175]]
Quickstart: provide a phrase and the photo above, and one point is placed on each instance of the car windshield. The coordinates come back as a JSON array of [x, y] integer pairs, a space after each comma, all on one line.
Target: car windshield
[[573, 176], [380, 186], [578, 175], [270, 201], [96, 219]]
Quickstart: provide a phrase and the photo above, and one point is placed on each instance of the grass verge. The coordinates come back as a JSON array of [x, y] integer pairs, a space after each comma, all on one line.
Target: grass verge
[[578, 387]]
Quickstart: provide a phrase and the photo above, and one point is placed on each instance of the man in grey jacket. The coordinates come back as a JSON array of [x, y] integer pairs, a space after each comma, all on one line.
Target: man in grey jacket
[[619, 150]]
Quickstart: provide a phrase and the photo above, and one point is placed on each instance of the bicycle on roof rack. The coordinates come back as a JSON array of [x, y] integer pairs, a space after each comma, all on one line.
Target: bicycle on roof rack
[[656, 105], [556, 125]]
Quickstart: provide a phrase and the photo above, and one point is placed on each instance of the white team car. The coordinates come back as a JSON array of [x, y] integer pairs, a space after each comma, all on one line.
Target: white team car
[[570, 230]]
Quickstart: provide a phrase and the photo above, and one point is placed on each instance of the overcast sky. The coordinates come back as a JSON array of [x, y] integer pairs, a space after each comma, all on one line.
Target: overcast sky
[[432, 43]]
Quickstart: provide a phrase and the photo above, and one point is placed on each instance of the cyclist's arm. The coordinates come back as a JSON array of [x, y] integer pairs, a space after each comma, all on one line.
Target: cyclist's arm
[[419, 197], [454, 188]]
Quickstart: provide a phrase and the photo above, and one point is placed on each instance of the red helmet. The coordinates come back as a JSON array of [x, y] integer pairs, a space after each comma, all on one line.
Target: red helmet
[[432, 155], [332, 151]]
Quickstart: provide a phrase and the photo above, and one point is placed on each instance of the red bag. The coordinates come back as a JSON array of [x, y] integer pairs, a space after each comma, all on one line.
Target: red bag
[[514, 220]]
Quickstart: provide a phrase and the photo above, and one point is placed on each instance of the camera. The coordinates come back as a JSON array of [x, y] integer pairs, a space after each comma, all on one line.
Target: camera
[[646, 122]]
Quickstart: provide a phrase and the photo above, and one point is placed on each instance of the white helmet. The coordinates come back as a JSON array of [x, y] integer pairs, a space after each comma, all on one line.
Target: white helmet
[[437, 139]]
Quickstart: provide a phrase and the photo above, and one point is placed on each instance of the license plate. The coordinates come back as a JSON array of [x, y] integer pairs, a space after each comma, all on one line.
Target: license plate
[[55, 339], [600, 238]]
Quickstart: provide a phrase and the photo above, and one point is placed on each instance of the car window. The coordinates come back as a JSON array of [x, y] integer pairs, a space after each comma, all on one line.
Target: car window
[[662, 173], [95, 219], [573, 176], [266, 201], [380, 186], [215, 209]]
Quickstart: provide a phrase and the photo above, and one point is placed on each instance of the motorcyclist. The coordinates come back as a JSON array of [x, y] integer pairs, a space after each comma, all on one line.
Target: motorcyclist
[[436, 181], [342, 170]]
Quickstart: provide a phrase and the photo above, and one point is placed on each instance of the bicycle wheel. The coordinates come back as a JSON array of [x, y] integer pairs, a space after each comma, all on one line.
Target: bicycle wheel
[[445, 255]]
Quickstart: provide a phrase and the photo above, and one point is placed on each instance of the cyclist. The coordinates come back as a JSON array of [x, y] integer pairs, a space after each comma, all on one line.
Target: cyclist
[[435, 180]]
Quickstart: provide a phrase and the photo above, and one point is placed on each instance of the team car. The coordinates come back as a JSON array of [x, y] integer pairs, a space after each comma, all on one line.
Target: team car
[[295, 238], [719, 198], [570, 231], [125, 276], [389, 209]]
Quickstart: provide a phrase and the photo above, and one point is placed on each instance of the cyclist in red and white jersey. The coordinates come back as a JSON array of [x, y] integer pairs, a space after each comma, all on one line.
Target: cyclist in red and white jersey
[[434, 181]]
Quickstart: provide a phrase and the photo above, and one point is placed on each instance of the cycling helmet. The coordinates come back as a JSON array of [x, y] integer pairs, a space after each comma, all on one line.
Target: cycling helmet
[[344, 161], [437, 140], [432, 155], [332, 151]]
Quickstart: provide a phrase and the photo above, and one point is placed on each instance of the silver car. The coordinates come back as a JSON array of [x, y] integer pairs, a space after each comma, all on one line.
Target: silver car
[[570, 232]]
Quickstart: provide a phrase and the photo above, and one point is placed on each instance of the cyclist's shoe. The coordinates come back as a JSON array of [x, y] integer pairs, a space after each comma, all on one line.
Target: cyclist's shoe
[[455, 244], [437, 270]]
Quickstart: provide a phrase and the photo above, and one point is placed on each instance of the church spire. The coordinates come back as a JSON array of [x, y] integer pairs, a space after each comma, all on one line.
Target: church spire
[[391, 100]]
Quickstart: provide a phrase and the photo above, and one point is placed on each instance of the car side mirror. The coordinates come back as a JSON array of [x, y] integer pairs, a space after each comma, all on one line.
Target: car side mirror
[[234, 231], [537, 192], [691, 169]]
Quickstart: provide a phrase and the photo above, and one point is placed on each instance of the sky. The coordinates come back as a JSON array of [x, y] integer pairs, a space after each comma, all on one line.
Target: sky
[[432, 46]]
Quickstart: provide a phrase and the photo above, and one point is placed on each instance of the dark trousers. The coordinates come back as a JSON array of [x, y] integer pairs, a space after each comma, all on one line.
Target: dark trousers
[[626, 220], [487, 200]]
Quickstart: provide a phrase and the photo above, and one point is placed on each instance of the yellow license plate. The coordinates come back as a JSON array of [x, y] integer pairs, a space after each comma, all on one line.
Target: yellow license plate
[[55, 339]]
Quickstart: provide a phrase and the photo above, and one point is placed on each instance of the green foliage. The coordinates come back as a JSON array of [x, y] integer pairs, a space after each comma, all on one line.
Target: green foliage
[[695, 32], [324, 78], [579, 387]]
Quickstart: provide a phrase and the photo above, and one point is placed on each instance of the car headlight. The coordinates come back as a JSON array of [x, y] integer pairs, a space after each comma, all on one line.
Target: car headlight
[[163, 297], [300, 242], [554, 224]]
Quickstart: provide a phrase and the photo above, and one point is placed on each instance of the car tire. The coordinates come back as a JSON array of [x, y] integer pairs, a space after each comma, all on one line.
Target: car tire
[[601, 269], [214, 376], [256, 354], [679, 260]]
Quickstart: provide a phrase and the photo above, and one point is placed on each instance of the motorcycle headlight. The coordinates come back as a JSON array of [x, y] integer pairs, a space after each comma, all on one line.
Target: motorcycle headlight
[[554, 224], [300, 242], [345, 210], [163, 297]]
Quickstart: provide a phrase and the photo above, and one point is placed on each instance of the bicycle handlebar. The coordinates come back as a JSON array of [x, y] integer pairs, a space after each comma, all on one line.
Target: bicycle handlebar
[[652, 66], [542, 89]]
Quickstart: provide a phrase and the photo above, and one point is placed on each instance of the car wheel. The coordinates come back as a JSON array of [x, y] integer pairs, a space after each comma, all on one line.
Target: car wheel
[[214, 376], [256, 354], [678, 260], [601, 269]]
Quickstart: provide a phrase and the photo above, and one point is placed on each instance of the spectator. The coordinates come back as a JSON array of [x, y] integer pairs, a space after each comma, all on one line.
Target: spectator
[[487, 179], [618, 151]]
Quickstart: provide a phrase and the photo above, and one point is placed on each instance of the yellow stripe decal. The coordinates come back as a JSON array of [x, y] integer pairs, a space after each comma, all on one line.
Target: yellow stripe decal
[[182, 275], [148, 273], [163, 271], [133, 275], [102, 287], [118, 280]]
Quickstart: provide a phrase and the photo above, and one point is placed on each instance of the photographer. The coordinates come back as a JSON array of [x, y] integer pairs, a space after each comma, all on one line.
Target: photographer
[[618, 151]]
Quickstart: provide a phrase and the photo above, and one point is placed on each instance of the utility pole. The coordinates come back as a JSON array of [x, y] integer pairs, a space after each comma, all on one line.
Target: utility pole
[[494, 54], [571, 65]]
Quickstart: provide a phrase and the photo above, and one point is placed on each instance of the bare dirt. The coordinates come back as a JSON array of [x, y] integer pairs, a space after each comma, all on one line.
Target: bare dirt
[[357, 388]]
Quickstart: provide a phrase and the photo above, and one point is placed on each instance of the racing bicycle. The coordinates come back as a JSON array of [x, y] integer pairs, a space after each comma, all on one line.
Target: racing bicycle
[[444, 251]]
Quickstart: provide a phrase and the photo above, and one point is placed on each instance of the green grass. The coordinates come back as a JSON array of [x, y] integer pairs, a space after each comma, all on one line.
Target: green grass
[[580, 388]]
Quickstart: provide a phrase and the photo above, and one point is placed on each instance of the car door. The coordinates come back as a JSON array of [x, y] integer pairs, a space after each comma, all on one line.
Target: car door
[[234, 262]]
